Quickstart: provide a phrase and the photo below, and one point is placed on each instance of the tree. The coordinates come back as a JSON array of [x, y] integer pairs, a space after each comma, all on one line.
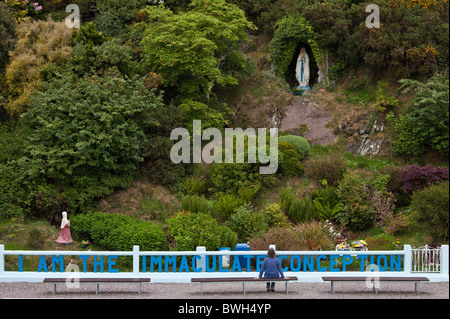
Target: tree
[[88, 137], [425, 123], [190, 49], [40, 44]]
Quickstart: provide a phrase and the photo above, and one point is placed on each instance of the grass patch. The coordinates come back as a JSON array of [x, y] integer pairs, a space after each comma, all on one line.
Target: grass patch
[[360, 161]]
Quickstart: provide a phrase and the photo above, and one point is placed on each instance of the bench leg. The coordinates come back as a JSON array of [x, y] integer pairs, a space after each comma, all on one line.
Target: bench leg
[[332, 287], [201, 288], [96, 288], [243, 287], [417, 287], [54, 288], [286, 287]]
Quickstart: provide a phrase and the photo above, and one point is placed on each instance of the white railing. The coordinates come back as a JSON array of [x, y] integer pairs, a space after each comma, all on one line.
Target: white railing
[[426, 259], [399, 263]]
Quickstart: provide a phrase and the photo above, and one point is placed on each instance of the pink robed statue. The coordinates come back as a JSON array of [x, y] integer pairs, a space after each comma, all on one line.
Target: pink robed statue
[[64, 237]]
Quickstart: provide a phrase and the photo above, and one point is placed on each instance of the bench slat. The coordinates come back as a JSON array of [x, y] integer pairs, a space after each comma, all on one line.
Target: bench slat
[[100, 280], [381, 278], [241, 279]]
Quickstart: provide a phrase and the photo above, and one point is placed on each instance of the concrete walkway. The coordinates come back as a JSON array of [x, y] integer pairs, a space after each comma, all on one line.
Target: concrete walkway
[[298, 290]]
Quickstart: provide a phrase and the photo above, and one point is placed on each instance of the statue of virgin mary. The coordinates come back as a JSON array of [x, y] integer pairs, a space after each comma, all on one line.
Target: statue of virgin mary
[[302, 70]]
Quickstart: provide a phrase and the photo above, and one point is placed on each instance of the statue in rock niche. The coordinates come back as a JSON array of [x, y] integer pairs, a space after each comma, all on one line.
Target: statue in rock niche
[[64, 237], [302, 72]]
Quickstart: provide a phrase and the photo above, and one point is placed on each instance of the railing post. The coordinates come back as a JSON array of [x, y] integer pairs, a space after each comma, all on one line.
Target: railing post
[[201, 262], [2, 259], [443, 259], [135, 259], [408, 259]]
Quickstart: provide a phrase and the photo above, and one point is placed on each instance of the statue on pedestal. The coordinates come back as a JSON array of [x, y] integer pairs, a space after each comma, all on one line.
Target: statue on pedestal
[[65, 237], [302, 72]]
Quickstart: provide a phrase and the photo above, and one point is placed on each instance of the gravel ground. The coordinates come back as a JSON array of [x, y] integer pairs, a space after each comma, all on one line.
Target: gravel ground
[[428, 290]]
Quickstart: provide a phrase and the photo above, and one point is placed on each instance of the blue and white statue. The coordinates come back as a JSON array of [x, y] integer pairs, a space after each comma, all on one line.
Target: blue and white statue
[[302, 70]]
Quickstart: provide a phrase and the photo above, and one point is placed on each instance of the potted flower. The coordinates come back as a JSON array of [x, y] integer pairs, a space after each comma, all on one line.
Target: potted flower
[[85, 244], [359, 245], [343, 246]]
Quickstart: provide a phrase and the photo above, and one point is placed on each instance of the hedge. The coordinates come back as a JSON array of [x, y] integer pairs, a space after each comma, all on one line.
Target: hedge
[[118, 232], [301, 144]]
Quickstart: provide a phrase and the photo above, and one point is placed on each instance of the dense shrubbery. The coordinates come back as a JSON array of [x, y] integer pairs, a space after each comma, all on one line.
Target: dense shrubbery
[[230, 177], [298, 210], [289, 160], [117, 232], [275, 217], [7, 34], [432, 204], [301, 144], [356, 211], [190, 230], [196, 204], [247, 223], [87, 139], [40, 44], [425, 123]]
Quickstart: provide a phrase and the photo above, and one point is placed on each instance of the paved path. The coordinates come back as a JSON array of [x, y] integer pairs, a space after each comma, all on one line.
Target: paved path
[[428, 290]]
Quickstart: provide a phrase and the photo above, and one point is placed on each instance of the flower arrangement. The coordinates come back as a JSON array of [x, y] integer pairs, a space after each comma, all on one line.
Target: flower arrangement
[[359, 244], [343, 246], [85, 244]]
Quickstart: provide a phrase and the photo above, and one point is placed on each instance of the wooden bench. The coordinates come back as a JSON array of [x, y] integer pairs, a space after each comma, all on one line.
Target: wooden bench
[[97, 281], [243, 280], [373, 279]]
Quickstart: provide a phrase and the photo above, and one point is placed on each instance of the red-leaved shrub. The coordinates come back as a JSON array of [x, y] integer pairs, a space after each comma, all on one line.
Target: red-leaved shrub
[[415, 177]]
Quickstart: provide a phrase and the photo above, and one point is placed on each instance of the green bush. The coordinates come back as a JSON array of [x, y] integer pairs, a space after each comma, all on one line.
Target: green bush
[[384, 101], [194, 185], [290, 164], [196, 204], [286, 196], [275, 216], [87, 139], [356, 212], [230, 177], [226, 205], [190, 230], [301, 144], [302, 210], [326, 202], [118, 232], [425, 123], [247, 223], [432, 204]]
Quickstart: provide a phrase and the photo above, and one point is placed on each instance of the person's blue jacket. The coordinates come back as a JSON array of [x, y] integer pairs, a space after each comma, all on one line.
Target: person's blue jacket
[[272, 268]]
